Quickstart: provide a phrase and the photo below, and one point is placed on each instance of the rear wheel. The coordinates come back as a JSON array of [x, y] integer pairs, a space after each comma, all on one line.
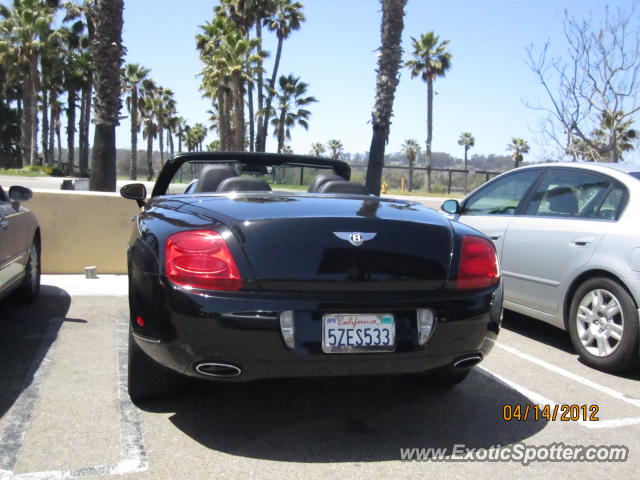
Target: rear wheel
[[603, 324], [146, 378], [30, 287]]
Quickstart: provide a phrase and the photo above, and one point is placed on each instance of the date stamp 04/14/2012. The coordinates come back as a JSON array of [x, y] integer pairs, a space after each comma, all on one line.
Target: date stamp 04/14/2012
[[550, 413]]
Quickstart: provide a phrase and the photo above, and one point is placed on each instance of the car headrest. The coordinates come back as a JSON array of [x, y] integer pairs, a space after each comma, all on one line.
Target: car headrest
[[244, 184], [563, 200], [211, 177], [320, 180], [342, 186]]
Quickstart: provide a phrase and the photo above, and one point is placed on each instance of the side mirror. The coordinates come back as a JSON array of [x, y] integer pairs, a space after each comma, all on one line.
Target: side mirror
[[19, 194], [135, 191], [451, 206]]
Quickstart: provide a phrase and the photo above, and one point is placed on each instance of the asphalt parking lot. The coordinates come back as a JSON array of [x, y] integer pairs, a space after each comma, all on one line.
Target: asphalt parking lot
[[64, 412]]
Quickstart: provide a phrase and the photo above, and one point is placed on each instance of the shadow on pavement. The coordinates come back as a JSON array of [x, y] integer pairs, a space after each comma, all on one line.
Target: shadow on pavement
[[26, 332], [346, 419], [538, 331]]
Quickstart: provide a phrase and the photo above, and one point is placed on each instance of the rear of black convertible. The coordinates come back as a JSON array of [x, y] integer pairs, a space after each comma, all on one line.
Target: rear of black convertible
[[266, 284]]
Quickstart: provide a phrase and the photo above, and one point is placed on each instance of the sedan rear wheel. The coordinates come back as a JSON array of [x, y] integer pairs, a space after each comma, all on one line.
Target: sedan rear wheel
[[603, 324], [30, 288]]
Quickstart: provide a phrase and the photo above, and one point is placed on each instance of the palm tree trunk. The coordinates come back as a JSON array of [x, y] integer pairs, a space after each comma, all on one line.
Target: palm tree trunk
[[466, 149], [161, 142], [230, 135], [59, 142], [133, 165], [386, 82], [84, 140], [281, 127], [260, 84], [71, 129], [179, 139], [45, 126], [222, 113], [34, 113], [83, 106], [411, 160], [54, 116], [262, 138], [107, 54], [429, 129], [27, 119], [170, 140], [238, 112], [251, 119], [149, 156]]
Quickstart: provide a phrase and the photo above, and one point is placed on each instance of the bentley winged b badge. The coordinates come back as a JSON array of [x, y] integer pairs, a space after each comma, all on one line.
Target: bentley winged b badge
[[355, 238]]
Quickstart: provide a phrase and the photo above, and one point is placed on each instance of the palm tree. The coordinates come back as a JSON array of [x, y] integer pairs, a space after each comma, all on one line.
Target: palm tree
[[107, 54], [336, 148], [467, 140], [411, 149], [616, 135], [22, 27], [147, 106], [317, 149], [286, 17], [519, 147], [389, 58], [291, 100], [164, 109], [133, 76], [431, 60]]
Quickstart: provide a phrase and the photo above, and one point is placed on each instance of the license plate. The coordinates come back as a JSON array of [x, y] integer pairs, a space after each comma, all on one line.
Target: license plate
[[362, 332]]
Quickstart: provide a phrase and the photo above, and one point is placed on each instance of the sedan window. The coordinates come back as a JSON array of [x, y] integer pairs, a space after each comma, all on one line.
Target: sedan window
[[569, 193], [502, 196]]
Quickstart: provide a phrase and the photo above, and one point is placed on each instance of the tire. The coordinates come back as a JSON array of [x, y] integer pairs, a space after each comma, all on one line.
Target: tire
[[603, 324], [30, 288], [146, 378]]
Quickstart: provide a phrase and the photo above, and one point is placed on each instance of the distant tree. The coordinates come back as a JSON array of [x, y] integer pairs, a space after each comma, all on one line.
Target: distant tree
[[626, 139], [467, 140], [430, 61], [411, 148], [132, 77], [519, 147], [317, 149], [336, 148], [389, 59], [285, 17], [596, 87], [108, 56], [291, 110]]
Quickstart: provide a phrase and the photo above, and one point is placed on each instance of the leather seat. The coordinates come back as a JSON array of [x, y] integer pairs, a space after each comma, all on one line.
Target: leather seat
[[243, 184], [320, 180], [342, 186], [211, 177]]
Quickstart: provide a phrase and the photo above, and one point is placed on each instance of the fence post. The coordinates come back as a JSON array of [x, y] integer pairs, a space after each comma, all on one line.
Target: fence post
[[449, 186]]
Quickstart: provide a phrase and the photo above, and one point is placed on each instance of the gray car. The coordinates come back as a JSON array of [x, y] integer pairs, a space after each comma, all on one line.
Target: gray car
[[568, 239]]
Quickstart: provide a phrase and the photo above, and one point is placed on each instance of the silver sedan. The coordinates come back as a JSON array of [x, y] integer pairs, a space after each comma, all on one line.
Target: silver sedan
[[569, 246]]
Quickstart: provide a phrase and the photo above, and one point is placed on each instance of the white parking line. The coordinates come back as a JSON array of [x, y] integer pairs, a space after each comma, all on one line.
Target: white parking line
[[542, 400], [570, 375], [133, 457]]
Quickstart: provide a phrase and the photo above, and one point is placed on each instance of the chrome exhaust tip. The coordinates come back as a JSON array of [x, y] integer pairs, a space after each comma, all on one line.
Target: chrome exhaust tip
[[215, 369], [467, 361]]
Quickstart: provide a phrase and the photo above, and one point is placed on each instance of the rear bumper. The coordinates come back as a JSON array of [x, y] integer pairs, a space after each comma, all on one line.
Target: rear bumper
[[185, 329]]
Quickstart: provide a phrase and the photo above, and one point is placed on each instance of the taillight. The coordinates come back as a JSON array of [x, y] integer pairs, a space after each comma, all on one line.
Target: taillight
[[478, 266], [201, 259]]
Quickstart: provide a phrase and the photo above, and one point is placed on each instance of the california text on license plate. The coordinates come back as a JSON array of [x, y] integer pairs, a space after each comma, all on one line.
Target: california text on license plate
[[362, 332]]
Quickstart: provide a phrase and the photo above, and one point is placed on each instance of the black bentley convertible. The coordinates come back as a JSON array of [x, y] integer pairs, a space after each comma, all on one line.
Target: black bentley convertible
[[236, 272]]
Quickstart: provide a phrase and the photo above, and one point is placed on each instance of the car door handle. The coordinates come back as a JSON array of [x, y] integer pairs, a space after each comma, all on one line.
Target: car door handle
[[581, 241], [495, 235]]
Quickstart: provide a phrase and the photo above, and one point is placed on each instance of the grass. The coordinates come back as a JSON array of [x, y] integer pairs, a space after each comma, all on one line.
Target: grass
[[392, 192], [24, 172]]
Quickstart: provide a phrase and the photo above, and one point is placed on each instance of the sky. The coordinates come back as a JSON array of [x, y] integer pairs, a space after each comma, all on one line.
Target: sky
[[484, 92]]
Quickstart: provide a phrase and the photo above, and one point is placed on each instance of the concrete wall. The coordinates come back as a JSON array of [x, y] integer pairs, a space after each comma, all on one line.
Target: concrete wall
[[81, 229]]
